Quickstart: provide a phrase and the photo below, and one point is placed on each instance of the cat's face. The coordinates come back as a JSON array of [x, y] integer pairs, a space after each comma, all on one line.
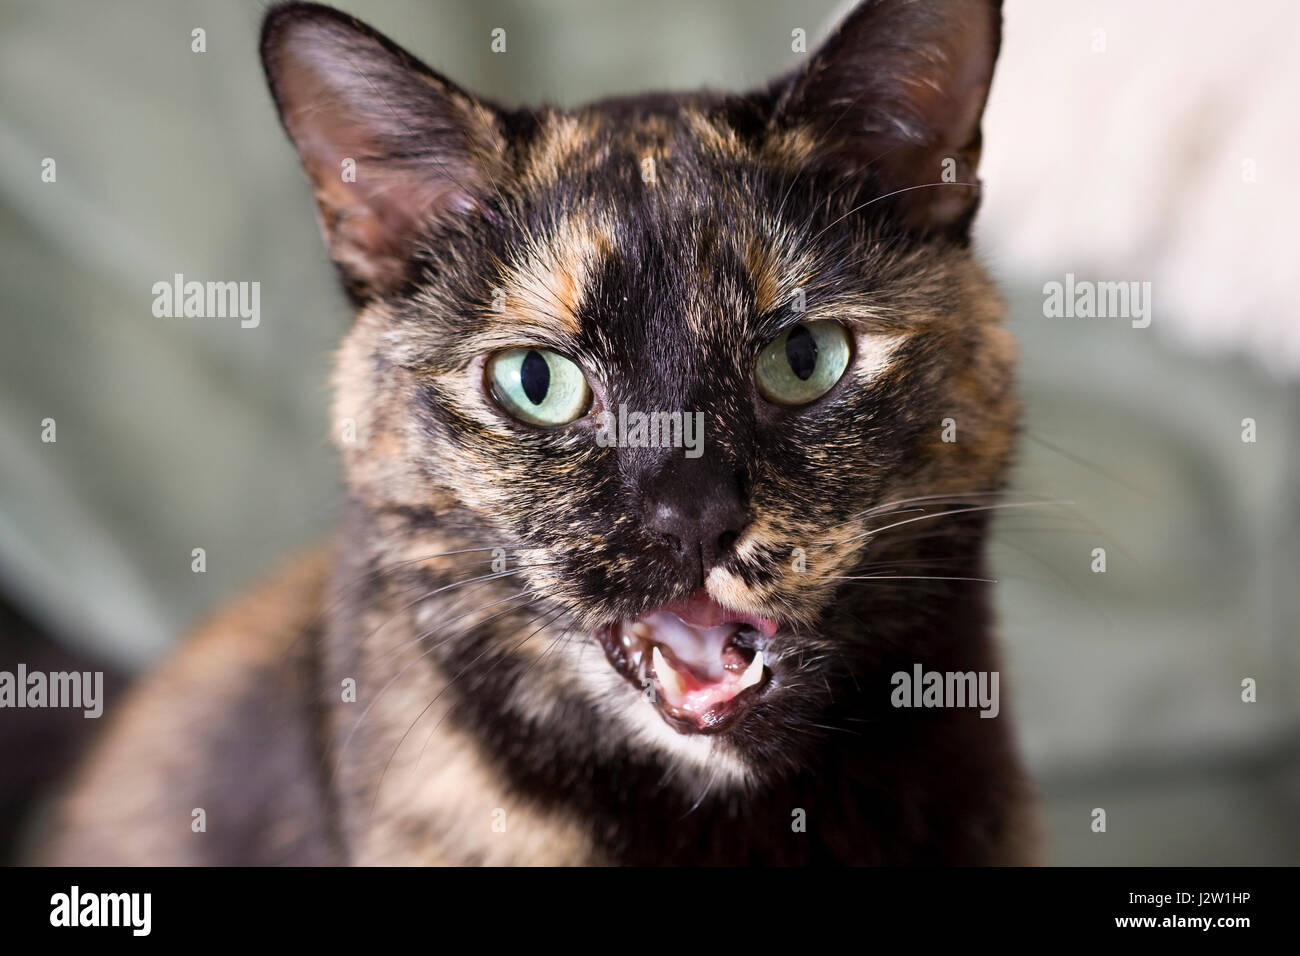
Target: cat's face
[[676, 356]]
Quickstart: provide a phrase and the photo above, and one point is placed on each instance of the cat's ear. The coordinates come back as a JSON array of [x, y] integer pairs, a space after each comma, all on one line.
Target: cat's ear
[[897, 92], [389, 146]]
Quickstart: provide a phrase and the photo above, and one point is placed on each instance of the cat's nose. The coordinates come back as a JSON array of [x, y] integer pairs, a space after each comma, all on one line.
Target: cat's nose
[[697, 513]]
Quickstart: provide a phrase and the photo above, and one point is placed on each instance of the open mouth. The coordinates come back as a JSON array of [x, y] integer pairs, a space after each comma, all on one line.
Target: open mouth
[[705, 661]]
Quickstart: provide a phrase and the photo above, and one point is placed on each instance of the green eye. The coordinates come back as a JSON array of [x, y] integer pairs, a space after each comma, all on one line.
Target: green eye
[[538, 386], [803, 363]]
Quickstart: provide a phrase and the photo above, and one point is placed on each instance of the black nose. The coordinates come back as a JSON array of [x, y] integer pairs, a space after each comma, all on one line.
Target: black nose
[[697, 512]]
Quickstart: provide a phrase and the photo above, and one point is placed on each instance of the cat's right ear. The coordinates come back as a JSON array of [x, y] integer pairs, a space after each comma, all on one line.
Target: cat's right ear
[[389, 146]]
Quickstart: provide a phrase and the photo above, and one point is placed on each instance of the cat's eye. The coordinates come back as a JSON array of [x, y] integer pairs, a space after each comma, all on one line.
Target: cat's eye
[[803, 363], [538, 386]]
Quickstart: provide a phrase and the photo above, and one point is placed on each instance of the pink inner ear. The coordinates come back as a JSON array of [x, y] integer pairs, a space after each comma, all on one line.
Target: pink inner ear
[[419, 146], [950, 85], [367, 223]]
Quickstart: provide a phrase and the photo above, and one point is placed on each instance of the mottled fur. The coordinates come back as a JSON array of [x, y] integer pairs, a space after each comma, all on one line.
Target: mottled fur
[[473, 229]]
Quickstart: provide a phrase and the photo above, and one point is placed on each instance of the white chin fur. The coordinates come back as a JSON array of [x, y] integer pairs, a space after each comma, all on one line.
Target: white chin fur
[[699, 756]]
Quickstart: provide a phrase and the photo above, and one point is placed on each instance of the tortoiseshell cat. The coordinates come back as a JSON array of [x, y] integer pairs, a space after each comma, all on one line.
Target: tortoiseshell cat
[[542, 639]]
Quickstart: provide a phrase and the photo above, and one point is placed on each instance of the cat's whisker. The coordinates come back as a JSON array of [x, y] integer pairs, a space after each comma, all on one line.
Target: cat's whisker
[[356, 726], [713, 778], [551, 616], [846, 182], [562, 639], [940, 562], [906, 577], [433, 631], [559, 613], [554, 616], [436, 697], [896, 506], [1090, 465], [957, 497], [410, 663], [433, 647], [480, 579], [889, 195], [347, 590], [396, 566], [960, 511], [942, 496]]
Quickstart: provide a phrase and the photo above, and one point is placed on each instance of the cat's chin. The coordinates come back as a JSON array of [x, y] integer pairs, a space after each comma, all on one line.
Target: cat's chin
[[700, 664]]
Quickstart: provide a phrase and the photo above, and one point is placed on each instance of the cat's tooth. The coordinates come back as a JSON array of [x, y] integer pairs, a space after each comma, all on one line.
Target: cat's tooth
[[640, 629], [753, 673], [669, 679]]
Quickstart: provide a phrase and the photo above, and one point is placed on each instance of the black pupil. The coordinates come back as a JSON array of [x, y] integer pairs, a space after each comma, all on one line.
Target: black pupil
[[535, 377], [801, 352]]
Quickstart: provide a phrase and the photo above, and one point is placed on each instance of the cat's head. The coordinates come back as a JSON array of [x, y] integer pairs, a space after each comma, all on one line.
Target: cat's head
[[776, 285]]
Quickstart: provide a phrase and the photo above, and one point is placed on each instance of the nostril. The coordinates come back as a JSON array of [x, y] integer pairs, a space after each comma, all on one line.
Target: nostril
[[672, 541], [666, 522], [697, 523]]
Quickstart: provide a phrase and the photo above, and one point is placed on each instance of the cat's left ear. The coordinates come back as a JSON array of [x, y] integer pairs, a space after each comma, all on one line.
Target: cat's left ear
[[897, 93], [390, 146]]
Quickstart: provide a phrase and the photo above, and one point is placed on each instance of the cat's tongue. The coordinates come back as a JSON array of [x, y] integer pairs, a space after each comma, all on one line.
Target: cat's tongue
[[697, 660]]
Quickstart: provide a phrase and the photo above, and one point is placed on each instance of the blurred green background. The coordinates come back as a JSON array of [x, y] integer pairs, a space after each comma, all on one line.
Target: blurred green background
[[177, 434]]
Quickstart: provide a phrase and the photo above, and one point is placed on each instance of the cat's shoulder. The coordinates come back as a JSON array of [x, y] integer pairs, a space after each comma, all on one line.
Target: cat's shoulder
[[208, 760]]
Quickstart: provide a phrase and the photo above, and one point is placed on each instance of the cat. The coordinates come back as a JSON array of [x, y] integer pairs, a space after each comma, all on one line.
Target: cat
[[528, 646]]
